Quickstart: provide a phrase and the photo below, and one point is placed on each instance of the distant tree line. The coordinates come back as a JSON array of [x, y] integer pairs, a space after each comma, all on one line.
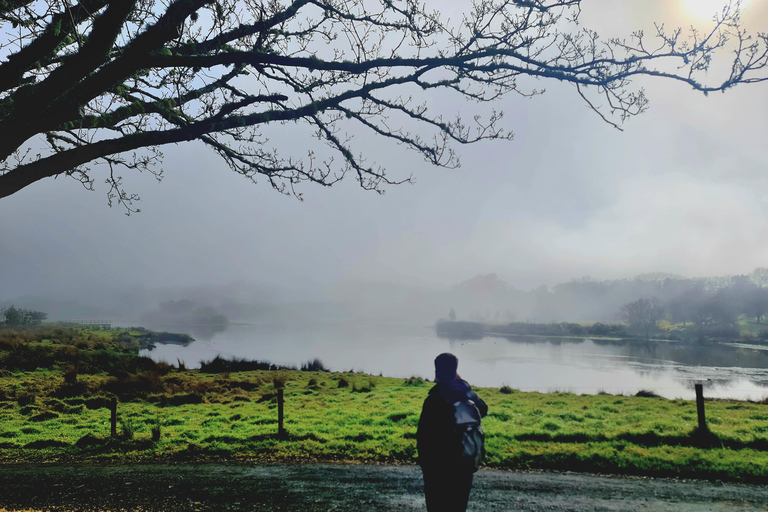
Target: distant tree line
[[475, 330], [20, 317], [563, 329], [693, 308], [703, 301], [699, 309]]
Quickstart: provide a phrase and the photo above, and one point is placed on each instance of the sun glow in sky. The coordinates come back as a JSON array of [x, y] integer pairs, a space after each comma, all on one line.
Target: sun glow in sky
[[706, 9]]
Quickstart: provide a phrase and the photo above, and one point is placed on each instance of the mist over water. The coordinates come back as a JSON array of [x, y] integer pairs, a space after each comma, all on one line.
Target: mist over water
[[581, 366], [358, 279]]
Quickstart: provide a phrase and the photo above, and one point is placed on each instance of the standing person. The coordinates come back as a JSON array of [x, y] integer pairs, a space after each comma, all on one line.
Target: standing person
[[449, 448]]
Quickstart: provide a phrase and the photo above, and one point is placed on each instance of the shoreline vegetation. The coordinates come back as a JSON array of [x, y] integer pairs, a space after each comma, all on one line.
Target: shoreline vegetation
[[469, 330], [461, 329], [57, 383]]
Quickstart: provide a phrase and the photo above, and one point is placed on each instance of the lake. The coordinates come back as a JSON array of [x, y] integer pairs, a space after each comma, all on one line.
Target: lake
[[576, 365]]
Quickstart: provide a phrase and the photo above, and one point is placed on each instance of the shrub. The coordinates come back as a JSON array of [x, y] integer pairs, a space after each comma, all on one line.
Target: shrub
[[163, 368], [70, 376], [266, 397], [414, 381], [314, 365], [645, 393], [343, 383], [220, 365], [134, 386], [46, 443], [366, 387], [575, 329], [97, 402], [25, 399], [723, 332], [44, 416], [243, 385], [155, 429], [506, 390], [9, 340], [601, 329], [127, 429], [359, 438], [90, 440], [56, 405], [185, 399], [71, 390]]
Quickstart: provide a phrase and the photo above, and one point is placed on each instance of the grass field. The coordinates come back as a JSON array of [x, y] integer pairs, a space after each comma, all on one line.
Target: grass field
[[56, 385], [356, 417]]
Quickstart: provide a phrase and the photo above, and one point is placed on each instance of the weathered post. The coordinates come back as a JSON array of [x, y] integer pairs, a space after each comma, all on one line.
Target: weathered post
[[700, 407], [113, 409], [280, 400]]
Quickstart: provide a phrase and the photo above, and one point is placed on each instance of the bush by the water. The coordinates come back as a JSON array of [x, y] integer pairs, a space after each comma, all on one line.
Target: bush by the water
[[238, 364]]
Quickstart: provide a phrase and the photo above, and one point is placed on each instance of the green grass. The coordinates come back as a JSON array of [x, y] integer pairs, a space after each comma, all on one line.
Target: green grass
[[374, 419], [55, 385]]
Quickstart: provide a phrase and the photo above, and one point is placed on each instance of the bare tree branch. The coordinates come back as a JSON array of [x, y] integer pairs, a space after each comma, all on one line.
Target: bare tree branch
[[103, 85]]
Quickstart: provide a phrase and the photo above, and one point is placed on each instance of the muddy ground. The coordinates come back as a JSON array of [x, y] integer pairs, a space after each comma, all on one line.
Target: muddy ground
[[322, 487]]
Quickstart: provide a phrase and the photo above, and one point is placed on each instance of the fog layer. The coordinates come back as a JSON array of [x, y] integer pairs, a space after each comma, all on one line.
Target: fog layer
[[682, 190]]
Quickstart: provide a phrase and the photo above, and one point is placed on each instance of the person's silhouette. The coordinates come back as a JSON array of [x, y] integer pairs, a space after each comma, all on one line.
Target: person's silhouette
[[447, 481]]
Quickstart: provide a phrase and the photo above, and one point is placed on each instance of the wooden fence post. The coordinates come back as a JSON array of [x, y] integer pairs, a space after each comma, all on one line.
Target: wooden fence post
[[700, 407], [280, 401], [113, 409]]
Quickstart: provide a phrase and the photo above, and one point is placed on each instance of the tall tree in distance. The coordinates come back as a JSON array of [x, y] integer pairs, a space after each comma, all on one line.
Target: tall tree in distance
[[642, 315], [94, 89], [20, 317], [759, 276]]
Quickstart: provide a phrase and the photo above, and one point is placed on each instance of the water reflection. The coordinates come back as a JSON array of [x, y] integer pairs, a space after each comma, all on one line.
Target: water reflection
[[579, 365], [708, 354], [728, 370]]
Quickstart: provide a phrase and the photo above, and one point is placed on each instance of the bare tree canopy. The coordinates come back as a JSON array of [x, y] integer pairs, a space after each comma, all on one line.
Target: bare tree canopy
[[642, 315], [108, 83]]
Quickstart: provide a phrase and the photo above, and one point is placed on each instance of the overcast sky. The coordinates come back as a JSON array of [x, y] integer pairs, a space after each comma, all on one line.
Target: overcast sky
[[682, 189]]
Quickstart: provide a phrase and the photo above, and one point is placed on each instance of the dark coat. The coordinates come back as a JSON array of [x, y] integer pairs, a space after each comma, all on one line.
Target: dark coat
[[435, 438]]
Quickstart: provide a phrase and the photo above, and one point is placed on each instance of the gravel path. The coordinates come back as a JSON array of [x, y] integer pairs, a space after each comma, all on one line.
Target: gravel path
[[358, 488]]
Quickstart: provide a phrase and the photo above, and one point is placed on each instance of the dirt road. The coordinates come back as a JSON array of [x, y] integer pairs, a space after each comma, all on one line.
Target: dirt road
[[358, 488]]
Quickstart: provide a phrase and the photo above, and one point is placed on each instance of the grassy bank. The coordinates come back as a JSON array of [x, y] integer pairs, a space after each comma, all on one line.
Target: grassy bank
[[355, 417], [58, 411]]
